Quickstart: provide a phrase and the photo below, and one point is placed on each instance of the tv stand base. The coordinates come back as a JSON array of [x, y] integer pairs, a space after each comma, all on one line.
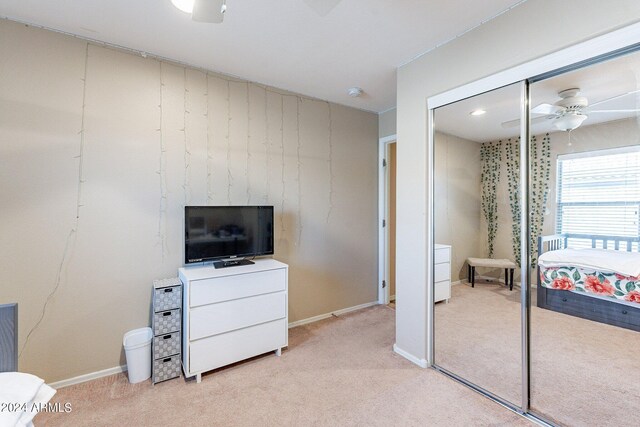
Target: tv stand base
[[232, 263]]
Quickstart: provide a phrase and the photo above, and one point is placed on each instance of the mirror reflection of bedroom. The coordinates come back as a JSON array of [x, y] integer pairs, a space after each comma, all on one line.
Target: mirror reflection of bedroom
[[585, 319], [477, 332], [584, 243]]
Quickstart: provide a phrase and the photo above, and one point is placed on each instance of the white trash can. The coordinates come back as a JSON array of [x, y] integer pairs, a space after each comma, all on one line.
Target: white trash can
[[137, 347]]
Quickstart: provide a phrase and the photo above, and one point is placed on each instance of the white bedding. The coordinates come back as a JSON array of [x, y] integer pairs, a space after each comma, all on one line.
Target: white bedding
[[20, 396], [626, 263]]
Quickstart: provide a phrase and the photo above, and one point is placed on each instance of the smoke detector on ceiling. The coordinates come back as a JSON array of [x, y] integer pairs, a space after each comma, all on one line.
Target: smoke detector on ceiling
[[354, 92]]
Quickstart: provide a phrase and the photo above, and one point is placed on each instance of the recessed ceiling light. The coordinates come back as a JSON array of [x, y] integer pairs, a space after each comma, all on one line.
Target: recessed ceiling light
[[478, 112], [184, 5]]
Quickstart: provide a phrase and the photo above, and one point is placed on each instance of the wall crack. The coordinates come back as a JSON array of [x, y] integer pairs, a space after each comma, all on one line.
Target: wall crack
[[72, 235]]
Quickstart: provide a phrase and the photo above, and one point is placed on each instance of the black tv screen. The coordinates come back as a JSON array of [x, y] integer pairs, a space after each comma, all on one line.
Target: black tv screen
[[219, 232]]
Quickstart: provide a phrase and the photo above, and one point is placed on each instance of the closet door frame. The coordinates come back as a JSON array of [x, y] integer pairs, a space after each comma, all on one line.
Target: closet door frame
[[592, 51]]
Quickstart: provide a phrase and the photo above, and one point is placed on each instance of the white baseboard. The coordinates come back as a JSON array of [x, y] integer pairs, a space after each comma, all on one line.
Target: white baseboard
[[118, 369], [410, 357], [327, 315], [88, 377]]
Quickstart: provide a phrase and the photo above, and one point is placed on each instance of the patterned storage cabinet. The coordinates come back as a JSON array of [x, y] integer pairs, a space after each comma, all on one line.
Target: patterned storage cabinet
[[167, 315]]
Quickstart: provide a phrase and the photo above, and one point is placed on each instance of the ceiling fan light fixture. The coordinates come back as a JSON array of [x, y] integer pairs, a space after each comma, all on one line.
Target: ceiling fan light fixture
[[569, 121], [184, 5], [209, 11]]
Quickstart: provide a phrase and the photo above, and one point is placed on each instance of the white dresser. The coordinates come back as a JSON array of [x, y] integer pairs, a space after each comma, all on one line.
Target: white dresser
[[231, 314], [442, 272]]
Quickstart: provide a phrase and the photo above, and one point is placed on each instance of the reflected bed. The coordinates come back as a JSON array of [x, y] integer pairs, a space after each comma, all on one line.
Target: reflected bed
[[602, 285]]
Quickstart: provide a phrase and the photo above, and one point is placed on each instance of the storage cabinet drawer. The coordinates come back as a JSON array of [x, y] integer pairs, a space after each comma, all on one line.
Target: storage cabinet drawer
[[167, 298], [442, 290], [226, 288], [166, 345], [227, 316], [442, 272], [166, 368], [442, 255], [219, 350], [166, 321]]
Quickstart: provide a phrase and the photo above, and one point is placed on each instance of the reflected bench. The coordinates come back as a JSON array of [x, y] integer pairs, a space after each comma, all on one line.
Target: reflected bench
[[508, 265]]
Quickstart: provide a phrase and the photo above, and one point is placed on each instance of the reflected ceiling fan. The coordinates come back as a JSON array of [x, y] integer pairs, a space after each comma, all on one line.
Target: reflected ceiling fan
[[570, 111], [212, 11]]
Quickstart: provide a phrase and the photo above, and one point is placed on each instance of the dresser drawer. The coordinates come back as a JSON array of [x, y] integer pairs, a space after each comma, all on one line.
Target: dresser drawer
[[167, 298], [442, 290], [227, 316], [219, 350], [442, 255], [166, 321], [442, 272], [227, 288]]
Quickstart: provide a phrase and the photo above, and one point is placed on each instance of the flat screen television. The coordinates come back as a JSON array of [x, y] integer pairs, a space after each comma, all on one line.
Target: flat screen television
[[227, 235]]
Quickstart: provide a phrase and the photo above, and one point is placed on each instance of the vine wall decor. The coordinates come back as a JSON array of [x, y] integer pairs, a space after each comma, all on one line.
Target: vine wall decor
[[513, 186], [490, 158], [540, 170], [540, 157]]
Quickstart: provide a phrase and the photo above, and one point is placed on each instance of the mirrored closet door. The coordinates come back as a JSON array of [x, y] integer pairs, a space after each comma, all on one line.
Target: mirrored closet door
[[561, 340], [477, 313], [585, 211]]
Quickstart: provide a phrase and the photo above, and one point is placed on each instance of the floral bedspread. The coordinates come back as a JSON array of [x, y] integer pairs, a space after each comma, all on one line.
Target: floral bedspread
[[608, 285]]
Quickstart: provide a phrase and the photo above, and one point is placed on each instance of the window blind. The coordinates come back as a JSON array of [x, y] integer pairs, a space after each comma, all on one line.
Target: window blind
[[599, 194]]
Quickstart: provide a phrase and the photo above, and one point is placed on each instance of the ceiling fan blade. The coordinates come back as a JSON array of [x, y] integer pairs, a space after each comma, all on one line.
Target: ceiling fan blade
[[614, 111], [511, 123], [546, 109], [614, 97], [210, 11], [516, 122], [322, 7]]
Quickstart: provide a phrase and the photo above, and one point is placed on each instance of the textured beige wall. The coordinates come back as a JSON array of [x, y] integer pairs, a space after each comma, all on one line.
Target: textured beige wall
[[457, 193], [99, 152], [531, 30], [387, 123]]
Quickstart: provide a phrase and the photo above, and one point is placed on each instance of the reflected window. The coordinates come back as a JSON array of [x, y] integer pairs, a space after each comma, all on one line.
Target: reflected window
[[599, 193]]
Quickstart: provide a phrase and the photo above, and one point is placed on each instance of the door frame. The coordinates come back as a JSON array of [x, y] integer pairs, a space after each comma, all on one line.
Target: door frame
[[383, 213]]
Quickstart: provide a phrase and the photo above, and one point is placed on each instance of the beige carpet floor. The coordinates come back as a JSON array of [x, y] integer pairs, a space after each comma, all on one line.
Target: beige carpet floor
[[337, 372], [583, 373]]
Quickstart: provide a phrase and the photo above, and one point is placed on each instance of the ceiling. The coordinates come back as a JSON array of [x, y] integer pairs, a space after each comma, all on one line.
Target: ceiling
[[597, 82], [284, 43]]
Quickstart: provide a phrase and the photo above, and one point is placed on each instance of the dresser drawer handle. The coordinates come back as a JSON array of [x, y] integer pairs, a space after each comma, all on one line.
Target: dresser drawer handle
[[564, 299], [166, 313], [168, 359], [169, 290], [166, 337], [624, 311]]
